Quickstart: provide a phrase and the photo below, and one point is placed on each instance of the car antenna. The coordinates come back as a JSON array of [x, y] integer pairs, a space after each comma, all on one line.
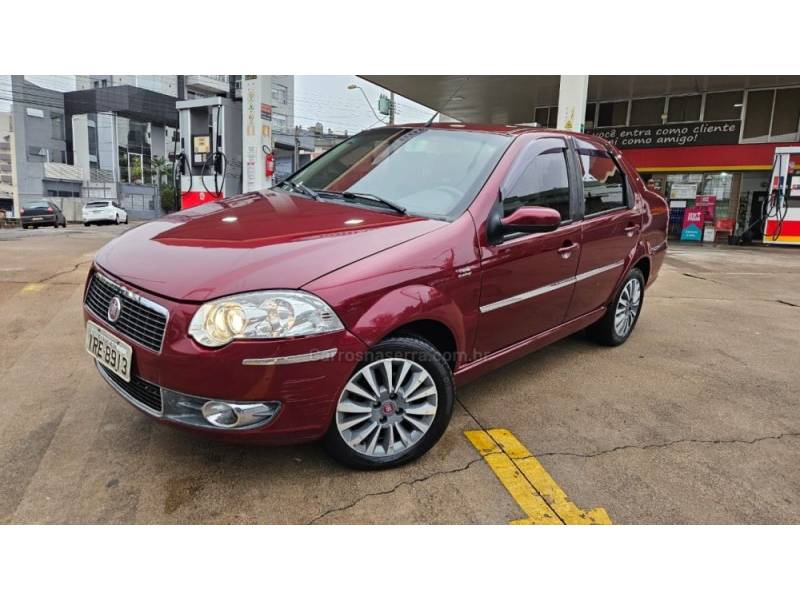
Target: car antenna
[[446, 104]]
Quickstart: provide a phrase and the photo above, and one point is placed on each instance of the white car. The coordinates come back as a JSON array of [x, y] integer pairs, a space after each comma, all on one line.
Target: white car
[[103, 211]]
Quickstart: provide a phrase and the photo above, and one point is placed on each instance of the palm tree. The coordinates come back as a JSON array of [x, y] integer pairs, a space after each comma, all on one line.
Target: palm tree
[[161, 167]]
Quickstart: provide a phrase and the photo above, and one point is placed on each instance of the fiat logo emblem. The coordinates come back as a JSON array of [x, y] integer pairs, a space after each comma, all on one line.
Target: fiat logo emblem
[[114, 308]]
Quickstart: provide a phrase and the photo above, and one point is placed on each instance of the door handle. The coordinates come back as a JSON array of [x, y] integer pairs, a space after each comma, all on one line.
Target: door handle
[[631, 229], [566, 250]]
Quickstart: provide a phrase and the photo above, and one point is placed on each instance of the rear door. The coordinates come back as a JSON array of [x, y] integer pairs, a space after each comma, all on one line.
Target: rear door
[[610, 227], [527, 279]]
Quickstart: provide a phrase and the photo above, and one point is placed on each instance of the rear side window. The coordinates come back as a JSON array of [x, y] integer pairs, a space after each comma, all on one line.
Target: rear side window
[[543, 181], [97, 204], [603, 181]]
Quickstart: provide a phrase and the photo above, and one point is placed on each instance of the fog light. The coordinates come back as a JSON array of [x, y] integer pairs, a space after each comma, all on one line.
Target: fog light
[[220, 414], [228, 415]]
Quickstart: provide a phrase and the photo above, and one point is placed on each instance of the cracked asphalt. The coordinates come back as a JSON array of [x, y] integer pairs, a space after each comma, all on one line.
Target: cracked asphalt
[[695, 419]]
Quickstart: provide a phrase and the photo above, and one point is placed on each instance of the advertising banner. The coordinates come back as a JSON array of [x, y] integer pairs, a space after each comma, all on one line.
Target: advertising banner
[[674, 134], [692, 225], [709, 204]]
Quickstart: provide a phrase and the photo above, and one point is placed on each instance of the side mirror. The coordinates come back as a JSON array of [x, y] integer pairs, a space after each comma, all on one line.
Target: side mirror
[[532, 219]]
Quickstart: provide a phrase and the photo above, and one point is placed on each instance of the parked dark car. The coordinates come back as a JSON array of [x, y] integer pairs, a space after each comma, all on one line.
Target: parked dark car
[[40, 213], [349, 301]]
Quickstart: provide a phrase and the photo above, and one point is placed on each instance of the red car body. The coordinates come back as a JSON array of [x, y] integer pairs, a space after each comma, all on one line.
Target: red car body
[[380, 272]]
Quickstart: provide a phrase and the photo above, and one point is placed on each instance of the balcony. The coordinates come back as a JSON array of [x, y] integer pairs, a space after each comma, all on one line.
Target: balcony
[[208, 84]]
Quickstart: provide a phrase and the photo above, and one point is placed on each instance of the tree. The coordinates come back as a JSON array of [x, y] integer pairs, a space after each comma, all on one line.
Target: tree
[[161, 167]]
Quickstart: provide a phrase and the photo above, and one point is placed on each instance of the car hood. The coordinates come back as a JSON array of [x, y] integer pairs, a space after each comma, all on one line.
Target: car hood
[[266, 240]]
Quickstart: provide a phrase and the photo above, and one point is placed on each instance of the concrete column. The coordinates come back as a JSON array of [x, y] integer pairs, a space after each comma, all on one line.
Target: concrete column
[[572, 95], [80, 144], [256, 130]]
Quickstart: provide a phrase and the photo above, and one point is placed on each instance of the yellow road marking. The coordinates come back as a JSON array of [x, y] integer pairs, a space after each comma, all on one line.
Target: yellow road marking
[[33, 287], [513, 480], [529, 484]]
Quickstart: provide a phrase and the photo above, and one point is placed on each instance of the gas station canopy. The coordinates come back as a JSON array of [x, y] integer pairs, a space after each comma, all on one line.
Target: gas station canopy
[[512, 98]]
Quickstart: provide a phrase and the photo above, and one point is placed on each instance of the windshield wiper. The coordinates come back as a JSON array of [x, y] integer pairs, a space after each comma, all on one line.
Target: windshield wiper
[[358, 195], [300, 187]]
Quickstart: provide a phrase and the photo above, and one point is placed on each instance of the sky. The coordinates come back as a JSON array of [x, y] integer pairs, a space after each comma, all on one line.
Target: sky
[[317, 98], [325, 98]]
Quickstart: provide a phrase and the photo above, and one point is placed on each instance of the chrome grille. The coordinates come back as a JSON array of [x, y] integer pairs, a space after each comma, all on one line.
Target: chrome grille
[[139, 319], [139, 390]]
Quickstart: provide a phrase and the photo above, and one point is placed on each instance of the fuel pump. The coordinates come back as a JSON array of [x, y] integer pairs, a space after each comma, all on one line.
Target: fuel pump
[[210, 167], [781, 210]]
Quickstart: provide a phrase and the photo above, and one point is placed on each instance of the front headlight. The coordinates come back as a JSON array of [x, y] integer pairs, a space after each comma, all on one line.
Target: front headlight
[[262, 315]]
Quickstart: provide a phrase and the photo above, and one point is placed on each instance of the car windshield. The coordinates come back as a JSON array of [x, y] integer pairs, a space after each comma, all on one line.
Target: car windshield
[[37, 205], [426, 171], [97, 204]]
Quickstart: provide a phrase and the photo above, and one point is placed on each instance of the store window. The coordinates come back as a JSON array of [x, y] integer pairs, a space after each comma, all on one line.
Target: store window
[[612, 114], [589, 118], [647, 111], [684, 108], [759, 111], [723, 106], [786, 114], [546, 116], [682, 189]]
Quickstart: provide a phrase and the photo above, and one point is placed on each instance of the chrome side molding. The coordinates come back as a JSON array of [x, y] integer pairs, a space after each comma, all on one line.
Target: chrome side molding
[[290, 360], [550, 287]]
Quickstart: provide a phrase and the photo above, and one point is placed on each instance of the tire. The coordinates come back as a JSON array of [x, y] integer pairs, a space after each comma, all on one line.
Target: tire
[[24, 226], [607, 330], [126, 219], [396, 439], [86, 224], [116, 219]]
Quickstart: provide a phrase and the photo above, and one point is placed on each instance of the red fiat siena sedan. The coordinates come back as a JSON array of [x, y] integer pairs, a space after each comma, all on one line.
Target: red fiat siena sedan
[[349, 301]]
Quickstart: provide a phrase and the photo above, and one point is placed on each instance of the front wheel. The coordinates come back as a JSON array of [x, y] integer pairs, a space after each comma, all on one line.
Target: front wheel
[[623, 312], [116, 220], [394, 407]]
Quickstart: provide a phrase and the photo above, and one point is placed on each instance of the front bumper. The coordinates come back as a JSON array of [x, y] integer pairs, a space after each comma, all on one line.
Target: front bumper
[[302, 374]]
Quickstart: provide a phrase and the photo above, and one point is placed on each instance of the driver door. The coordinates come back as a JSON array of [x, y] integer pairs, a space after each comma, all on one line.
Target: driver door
[[528, 279]]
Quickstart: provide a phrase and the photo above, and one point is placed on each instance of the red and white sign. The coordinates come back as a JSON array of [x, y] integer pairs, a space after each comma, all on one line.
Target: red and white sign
[[708, 204], [191, 199]]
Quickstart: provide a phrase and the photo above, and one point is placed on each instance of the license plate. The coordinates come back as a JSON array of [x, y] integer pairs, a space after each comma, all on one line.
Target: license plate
[[37, 218], [109, 350]]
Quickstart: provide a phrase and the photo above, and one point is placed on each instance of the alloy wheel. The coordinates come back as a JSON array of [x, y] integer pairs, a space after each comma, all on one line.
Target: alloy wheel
[[387, 407], [630, 300]]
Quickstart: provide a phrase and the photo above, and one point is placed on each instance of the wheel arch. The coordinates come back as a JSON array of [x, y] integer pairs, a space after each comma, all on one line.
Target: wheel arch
[[418, 310]]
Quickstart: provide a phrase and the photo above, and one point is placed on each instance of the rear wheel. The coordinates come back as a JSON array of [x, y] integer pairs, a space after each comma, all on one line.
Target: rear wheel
[[623, 312], [394, 407], [116, 219], [86, 224]]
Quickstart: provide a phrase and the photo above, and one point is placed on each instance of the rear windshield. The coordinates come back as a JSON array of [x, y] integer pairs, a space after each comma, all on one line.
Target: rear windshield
[[428, 171], [37, 205], [97, 204]]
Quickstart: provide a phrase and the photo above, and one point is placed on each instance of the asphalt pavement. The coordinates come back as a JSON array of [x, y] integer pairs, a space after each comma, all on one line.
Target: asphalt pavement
[[695, 419]]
